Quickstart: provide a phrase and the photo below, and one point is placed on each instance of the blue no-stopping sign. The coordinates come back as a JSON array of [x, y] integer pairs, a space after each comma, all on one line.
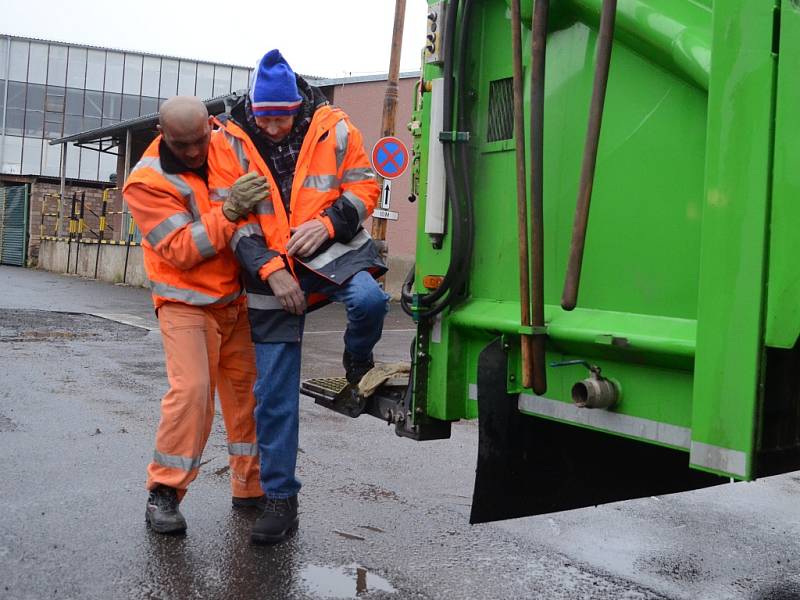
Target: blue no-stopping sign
[[389, 157]]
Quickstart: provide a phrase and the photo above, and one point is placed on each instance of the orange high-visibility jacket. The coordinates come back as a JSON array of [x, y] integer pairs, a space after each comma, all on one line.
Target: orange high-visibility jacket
[[334, 183], [185, 236]]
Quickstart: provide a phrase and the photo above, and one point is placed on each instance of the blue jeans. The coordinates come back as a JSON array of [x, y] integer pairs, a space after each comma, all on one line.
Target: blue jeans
[[277, 388]]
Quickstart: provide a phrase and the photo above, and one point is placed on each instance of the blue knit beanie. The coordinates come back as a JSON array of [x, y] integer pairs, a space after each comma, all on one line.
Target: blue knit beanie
[[273, 89]]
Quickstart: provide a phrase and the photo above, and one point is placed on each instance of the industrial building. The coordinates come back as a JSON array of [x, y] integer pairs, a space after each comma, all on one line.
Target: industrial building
[[74, 119]]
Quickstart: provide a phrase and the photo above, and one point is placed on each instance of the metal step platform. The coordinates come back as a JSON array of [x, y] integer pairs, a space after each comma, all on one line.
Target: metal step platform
[[336, 394], [391, 403]]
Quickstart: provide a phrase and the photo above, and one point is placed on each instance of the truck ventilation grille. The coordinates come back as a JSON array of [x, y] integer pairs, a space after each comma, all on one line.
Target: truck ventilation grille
[[501, 110]]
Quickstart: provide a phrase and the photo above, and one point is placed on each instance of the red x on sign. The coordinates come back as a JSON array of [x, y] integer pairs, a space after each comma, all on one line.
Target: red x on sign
[[389, 157]]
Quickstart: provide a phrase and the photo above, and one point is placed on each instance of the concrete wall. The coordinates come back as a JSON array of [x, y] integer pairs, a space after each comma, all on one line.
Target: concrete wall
[[53, 257]]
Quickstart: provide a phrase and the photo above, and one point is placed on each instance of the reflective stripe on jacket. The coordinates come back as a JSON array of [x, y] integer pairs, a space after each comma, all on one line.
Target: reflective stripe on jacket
[[333, 183], [186, 238]]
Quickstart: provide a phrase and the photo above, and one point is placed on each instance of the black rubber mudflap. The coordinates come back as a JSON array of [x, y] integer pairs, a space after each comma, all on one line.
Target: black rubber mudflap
[[529, 465]]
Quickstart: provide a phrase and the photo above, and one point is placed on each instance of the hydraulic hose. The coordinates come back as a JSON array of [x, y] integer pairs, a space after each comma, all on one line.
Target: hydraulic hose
[[462, 216], [447, 125], [407, 292]]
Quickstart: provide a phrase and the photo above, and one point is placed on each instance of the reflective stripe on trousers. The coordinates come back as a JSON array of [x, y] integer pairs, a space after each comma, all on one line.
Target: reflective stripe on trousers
[[206, 349]]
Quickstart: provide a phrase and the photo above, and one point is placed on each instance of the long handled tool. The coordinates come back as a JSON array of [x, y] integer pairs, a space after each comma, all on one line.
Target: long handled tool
[[604, 42], [522, 198], [538, 55]]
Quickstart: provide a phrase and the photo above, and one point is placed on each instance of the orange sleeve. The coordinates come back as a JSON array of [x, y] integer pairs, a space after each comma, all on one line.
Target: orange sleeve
[[326, 220], [170, 229]]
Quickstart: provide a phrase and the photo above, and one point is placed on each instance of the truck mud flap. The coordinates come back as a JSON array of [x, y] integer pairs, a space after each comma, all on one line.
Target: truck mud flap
[[529, 465]]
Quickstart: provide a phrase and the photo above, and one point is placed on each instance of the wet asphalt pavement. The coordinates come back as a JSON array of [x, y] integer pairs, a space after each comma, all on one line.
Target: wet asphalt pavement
[[81, 376]]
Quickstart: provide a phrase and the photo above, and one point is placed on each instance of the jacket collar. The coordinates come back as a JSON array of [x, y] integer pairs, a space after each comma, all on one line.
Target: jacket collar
[[174, 166]]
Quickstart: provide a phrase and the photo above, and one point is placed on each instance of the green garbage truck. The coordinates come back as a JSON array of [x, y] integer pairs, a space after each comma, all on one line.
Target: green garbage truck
[[608, 260]]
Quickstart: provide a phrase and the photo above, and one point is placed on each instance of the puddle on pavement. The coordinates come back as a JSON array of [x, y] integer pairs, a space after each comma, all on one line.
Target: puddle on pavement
[[349, 581]]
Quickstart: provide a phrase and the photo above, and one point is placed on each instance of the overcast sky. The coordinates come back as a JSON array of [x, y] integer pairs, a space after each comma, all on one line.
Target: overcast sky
[[332, 38]]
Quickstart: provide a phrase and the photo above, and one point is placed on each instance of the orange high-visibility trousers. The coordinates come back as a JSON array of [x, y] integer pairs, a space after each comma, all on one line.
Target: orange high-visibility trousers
[[206, 348]]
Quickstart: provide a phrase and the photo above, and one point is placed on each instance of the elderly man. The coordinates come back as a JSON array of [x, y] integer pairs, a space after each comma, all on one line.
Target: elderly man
[[201, 311], [305, 247]]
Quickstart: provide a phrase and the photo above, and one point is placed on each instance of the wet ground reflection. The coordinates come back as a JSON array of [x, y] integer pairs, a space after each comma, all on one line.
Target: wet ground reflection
[[190, 567], [349, 581], [219, 562]]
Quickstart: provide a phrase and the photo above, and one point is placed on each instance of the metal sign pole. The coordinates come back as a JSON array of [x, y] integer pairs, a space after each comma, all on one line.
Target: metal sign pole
[[390, 108]]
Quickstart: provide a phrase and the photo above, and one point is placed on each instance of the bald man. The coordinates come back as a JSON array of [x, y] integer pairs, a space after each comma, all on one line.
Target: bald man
[[187, 220]]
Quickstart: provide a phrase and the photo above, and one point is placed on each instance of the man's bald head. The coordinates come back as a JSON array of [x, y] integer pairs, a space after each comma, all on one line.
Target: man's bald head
[[186, 128]]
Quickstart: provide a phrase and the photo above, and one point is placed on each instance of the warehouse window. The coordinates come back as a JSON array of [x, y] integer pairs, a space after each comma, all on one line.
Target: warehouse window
[[18, 63], [130, 106], [31, 156], [93, 104], [222, 80], [34, 123], [132, 83], [187, 75], [112, 106], [53, 122], [57, 66], [12, 154], [151, 72], [73, 103], [169, 78], [76, 68], [54, 100], [205, 81], [72, 124], [15, 117], [37, 63], [149, 105], [35, 97], [73, 160], [16, 94], [3, 58], [114, 70], [95, 69], [51, 160], [240, 80]]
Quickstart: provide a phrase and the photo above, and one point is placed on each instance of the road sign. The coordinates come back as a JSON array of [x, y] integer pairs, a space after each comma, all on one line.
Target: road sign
[[386, 214], [389, 157], [386, 195]]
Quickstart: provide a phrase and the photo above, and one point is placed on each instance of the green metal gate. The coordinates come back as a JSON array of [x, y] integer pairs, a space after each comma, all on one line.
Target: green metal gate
[[13, 225]]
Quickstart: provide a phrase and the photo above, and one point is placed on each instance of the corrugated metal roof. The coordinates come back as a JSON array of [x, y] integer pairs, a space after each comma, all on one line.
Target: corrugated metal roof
[[90, 47], [363, 78], [214, 105]]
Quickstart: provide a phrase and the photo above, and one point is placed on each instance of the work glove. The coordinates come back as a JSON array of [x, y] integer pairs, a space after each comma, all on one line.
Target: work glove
[[247, 191]]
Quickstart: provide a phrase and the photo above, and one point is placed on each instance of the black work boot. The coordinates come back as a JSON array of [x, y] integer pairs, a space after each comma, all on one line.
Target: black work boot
[[277, 522], [162, 512], [355, 369], [259, 502]]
